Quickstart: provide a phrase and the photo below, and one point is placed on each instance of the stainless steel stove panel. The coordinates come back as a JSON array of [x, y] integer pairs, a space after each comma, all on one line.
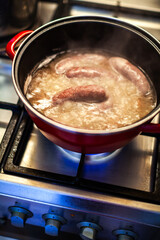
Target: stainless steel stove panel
[[41, 154], [130, 167], [7, 92], [73, 217], [5, 117]]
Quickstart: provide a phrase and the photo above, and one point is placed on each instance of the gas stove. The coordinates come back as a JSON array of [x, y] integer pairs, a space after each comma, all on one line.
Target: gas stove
[[47, 192]]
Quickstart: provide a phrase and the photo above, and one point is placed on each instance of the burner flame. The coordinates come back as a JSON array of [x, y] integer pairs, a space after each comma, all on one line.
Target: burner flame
[[90, 158]]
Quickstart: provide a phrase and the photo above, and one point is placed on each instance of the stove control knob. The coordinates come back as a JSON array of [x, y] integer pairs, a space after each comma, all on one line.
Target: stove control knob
[[123, 234], [88, 230], [53, 224], [19, 216]]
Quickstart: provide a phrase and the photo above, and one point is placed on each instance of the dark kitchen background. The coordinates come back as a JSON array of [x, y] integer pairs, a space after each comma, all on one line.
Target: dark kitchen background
[[47, 192]]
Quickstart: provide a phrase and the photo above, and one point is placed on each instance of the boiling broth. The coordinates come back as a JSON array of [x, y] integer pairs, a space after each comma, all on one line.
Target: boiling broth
[[124, 103]]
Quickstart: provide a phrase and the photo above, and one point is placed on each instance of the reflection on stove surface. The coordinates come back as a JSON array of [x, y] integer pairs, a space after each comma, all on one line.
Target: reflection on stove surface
[[44, 155], [7, 238], [5, 117], [130, 167]]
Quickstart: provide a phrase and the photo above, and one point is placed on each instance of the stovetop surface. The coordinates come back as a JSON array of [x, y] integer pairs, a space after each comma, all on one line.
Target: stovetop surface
[[131, 171], [131, 167]]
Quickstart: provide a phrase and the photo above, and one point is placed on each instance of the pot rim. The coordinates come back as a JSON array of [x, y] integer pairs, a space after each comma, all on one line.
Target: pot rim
[[65, 20]]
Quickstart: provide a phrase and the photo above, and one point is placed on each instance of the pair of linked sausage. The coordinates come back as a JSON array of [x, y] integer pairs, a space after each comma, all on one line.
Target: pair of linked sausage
[[120, 65], [131, 72], [95, 93], [70, 62], [86, 93]]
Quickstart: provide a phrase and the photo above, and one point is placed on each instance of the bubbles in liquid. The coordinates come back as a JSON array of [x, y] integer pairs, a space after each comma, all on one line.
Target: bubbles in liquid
[[125, 103]]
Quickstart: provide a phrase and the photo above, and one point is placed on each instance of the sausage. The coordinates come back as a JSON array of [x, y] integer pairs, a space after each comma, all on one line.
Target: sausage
[[79, 72], [128, 70], [63, 65], [87, 93]]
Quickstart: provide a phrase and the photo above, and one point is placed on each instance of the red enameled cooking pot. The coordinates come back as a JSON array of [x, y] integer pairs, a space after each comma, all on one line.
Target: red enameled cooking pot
[[89, 32]]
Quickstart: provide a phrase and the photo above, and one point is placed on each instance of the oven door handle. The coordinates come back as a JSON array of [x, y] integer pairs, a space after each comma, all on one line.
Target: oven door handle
[[10, 48]]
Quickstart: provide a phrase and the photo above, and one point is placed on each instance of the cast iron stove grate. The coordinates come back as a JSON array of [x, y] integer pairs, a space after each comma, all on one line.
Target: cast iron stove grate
[[11, 128]]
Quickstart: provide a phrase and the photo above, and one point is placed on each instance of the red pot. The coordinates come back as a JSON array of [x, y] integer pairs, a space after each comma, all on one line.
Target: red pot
[[90, 32]]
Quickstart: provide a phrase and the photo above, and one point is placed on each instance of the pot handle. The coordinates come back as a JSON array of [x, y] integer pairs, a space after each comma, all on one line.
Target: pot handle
[[11, 44], [150, 128]]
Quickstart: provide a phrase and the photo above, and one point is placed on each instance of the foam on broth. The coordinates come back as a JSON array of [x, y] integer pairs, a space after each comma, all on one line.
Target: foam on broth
[[126, 103]]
